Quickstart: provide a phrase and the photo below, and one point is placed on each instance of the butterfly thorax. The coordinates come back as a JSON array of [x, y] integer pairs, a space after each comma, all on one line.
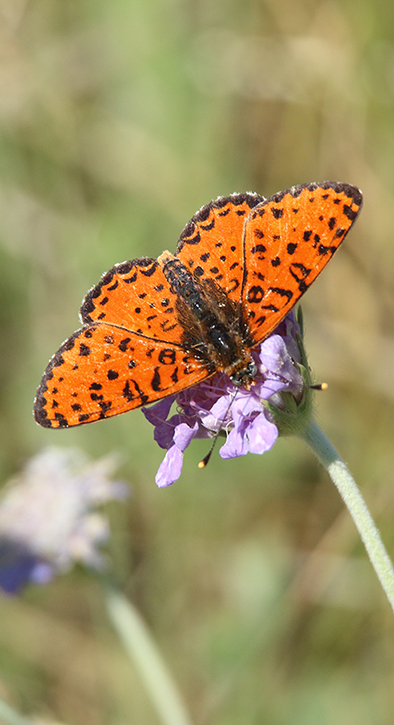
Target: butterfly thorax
[[213, 329]]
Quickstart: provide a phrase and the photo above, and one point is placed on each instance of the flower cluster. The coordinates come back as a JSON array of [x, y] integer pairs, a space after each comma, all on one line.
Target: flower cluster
[[247, 417], [48, 519]]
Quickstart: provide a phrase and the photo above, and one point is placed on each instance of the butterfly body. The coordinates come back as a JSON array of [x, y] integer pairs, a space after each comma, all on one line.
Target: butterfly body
[[153, 327], [213, 328]]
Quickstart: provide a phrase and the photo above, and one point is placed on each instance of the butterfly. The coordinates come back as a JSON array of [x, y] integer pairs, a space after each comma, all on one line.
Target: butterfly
[[153, 327]]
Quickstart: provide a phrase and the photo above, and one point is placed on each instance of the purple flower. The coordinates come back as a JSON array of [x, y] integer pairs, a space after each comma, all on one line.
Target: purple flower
[[217, 406], [48, 519]]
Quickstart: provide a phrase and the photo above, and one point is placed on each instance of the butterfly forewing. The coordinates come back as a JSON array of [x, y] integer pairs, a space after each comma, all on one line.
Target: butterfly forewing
[[288, 240], [135, 295], [103, 370], [210, 246]]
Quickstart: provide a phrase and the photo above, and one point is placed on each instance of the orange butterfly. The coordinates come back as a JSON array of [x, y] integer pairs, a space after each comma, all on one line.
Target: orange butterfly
[[153, 327]]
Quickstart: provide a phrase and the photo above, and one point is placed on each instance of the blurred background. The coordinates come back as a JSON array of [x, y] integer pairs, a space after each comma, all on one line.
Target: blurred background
[[118, 120]]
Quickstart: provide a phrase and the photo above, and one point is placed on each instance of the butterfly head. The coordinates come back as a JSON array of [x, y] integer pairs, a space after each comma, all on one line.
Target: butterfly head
[[245, 375]]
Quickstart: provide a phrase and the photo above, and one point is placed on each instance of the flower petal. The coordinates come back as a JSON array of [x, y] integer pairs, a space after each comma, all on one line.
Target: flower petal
[[275, 357], [261, 434], [158, 412], [47, 515], [170, 467], [216, 404], [17, 565], [236, 445], [184, 434]]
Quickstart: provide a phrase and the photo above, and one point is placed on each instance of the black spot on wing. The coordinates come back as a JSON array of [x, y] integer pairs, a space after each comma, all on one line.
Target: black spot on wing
[[258, 248], [191, 235], [208, 227], [145, 265], [282, 292], [84, 350], [338, 187], [276, 212], [349, 212]]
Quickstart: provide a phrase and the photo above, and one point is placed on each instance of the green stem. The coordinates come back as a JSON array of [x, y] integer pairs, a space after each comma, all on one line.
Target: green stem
[[143, 651], [347, 487]]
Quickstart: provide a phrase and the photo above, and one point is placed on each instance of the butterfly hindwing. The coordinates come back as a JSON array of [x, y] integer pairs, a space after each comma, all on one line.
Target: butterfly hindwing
[[103, 370]]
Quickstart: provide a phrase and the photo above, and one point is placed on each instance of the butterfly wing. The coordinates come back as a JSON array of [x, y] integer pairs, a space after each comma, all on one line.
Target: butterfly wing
[[103, 370], [288, 240], [137, 296], [210, 245], [129, 353]]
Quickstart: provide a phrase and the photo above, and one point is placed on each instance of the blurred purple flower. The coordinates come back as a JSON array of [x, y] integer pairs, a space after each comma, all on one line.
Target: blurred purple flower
[[48, 519], [218, 406]]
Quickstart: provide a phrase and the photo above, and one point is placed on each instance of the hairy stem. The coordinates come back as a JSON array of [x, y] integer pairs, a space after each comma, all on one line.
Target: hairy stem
[[347, 487]]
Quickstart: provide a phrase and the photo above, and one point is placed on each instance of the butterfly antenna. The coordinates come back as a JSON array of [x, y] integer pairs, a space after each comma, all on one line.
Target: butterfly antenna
[[206, 458], [319, 386], [204, 462]]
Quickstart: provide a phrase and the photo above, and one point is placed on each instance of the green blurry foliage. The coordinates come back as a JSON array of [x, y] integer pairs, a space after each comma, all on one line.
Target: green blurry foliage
[[117, 121]]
